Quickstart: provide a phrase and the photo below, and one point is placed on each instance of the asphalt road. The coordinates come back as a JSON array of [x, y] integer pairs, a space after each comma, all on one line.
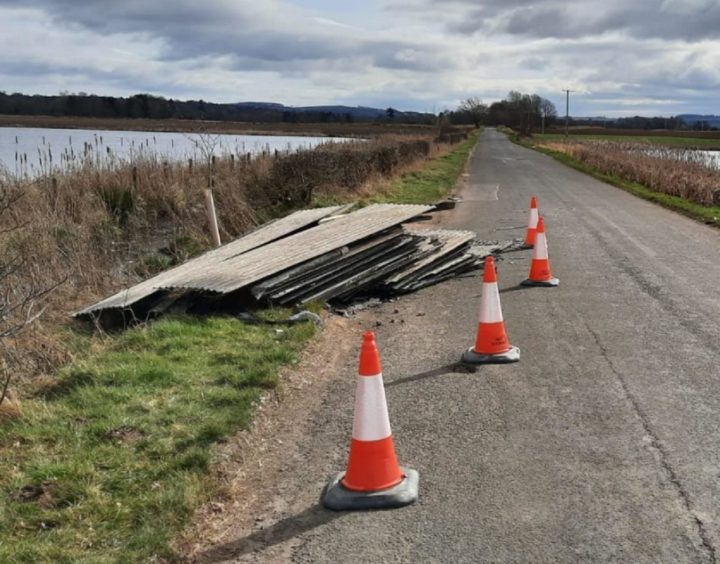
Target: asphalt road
[[601, 445]]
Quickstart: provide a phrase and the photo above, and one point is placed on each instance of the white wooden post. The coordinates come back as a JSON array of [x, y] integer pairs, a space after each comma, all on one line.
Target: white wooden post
[[212, 217]]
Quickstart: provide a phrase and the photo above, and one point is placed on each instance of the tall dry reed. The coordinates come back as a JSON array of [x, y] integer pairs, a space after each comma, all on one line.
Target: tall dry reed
[[673, 171]]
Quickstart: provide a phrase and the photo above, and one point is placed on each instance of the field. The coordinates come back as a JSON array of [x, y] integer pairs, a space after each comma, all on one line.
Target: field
[[106, 443], [228, 127], [687, 139]]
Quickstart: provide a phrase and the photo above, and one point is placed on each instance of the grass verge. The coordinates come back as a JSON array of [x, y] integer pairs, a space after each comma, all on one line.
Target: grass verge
[[707, 214], [108, 463], [433, 181]]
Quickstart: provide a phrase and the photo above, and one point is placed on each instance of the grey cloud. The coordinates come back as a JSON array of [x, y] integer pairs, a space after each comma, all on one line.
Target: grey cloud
[[28, 68], [388, 56], [689, 20], [534, 63], [539, 21], [225, 48], [602, 102], [131, 82], [653, 65], [18, 68], [256, 35]]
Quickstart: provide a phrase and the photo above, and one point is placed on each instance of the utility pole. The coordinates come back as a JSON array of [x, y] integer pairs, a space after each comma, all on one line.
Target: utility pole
[[567, 110]]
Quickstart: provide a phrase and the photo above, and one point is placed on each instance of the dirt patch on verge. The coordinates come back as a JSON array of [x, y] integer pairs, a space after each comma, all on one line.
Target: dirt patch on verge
[[252, 465]]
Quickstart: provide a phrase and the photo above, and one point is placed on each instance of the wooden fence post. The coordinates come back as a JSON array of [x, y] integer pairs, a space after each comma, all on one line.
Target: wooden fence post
[[212, 217]]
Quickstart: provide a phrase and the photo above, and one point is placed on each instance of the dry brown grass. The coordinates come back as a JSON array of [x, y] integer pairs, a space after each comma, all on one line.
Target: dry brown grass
[[677, 172], [101, 228], [9, 410]]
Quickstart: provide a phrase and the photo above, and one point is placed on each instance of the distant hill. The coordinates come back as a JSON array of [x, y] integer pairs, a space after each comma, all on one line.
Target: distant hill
[[360, 113], [260, 105], [592, 118], [693, 119]]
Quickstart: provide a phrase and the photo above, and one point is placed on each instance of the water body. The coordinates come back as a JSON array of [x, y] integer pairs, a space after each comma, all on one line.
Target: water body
[[707, 158], [30, 152], [711, 159]]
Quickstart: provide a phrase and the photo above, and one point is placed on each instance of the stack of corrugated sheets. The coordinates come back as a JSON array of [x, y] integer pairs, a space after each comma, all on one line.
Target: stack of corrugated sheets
[[321, 254]]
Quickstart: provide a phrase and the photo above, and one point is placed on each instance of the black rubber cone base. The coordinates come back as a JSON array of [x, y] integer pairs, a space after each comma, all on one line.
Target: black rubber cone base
[[337, 497], [471, 357], [544, 284]]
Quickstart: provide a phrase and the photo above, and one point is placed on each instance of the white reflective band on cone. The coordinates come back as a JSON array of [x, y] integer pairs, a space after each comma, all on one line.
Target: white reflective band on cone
[[490, 310], [533, 221], [371, 415], [540, 250]]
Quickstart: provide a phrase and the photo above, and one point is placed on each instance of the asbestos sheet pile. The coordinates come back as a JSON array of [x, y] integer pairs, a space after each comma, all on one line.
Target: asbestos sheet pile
[[322, 254], [451, 256], [399, 261]]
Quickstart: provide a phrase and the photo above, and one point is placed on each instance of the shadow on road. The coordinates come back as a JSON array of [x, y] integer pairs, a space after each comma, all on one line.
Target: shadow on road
[[514, 289], [281, 531], [454, 368]]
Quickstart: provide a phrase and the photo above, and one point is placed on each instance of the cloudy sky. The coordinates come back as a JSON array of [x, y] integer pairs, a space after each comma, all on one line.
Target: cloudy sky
[[650, 57]]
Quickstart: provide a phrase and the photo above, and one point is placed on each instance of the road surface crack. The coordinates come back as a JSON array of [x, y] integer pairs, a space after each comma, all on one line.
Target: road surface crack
[[696, 327], [660, 449]]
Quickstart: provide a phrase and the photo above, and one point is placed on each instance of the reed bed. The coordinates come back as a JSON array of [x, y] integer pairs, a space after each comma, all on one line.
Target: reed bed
[[673, 171], [99, 223]]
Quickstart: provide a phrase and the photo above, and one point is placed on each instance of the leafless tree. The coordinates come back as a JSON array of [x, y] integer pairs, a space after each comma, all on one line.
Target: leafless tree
[[524, 111], [474, 108], [206, 145], [21, 287]]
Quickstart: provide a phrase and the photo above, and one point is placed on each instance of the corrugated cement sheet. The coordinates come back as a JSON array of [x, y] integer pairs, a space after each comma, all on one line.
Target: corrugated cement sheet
[[237, 272], [450, 241], [261, 236]]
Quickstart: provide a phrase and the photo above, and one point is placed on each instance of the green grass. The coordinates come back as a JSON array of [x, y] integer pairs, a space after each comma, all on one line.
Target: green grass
[[709, 215], [434, 181], [679, 141], [108, 463]]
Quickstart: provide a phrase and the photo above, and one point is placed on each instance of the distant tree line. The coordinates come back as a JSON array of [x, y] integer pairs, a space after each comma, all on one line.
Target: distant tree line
[[529, 112], [635, 122], [156, 107], [523, 112], [703, 125]]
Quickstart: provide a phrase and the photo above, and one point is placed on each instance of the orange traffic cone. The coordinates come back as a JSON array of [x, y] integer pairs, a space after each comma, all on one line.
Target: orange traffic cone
[[540, 274], [532, 223], [373, 479], [491, 344]]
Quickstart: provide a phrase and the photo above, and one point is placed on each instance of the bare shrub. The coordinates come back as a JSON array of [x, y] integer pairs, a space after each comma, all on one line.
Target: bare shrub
[[292, 179], [22, 289]]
